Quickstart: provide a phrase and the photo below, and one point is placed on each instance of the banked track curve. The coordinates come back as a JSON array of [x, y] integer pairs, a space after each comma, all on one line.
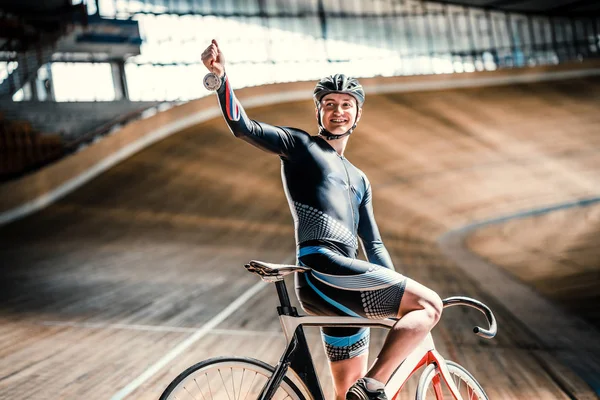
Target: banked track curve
[[159, 240]]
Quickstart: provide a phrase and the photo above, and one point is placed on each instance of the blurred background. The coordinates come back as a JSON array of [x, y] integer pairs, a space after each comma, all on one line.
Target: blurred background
[[127, 208]]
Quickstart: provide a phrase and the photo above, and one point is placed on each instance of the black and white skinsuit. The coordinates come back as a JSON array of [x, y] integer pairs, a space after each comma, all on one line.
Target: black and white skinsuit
[[331, 203]]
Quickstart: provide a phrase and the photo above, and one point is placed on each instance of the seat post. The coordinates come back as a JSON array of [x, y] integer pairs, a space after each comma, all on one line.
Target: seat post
[[284, 299]]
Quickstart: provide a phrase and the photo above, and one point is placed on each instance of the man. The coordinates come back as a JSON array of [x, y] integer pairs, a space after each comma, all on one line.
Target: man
[[330, 200]]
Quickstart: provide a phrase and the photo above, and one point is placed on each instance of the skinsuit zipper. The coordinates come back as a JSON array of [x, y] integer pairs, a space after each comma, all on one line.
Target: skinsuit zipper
[[349, 193]]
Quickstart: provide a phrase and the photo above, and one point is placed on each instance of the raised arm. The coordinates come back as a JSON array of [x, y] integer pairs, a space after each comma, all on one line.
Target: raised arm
[[368, 232], [264, 136]]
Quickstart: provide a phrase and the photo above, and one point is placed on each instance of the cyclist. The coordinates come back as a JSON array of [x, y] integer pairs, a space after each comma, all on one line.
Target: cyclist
[[331, 203]]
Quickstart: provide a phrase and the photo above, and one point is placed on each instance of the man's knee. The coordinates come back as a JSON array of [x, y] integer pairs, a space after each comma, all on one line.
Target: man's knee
[[418, 297], [434, 306]]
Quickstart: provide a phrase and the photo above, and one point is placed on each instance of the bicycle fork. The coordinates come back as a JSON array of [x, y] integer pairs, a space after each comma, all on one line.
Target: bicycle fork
[[424, 354], [444, 373]]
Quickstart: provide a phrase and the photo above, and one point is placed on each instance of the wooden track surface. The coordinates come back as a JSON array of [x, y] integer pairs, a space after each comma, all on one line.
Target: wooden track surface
[[557, 253], [100, 286]]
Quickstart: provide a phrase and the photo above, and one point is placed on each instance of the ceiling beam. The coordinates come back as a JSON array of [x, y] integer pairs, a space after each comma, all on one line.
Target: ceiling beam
[[568, 8], [571, 5], [502, 3]]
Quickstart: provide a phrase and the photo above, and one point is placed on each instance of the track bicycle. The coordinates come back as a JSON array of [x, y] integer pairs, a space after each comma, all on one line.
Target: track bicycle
[[294, 377]]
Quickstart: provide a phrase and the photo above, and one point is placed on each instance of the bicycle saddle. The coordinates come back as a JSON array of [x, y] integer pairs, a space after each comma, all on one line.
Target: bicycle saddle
[[273, 272]]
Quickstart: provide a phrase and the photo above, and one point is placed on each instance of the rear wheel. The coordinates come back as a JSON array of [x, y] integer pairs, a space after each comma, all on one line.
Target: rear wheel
[[228, 378], [432, 387]]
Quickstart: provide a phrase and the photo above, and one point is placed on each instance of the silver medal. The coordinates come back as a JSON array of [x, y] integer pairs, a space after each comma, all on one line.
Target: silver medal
[[212, 81]]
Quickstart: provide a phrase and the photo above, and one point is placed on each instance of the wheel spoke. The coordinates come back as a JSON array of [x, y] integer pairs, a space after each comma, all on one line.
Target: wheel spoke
[[241, 383], [470, 392], [188, 392], [199, 389], [459, 382], [209, 388], [429, 393], [232, 383], [250, 388], [224, 385]]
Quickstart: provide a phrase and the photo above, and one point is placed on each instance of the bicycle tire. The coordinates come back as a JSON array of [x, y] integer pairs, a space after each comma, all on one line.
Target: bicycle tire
[[198, 375], [459, 374]]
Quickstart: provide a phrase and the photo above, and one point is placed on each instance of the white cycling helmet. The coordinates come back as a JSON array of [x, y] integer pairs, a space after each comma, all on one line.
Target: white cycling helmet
[[338, 83]]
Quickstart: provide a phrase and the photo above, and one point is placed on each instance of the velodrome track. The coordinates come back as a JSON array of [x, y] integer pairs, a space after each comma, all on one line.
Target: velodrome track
[[98, 288]]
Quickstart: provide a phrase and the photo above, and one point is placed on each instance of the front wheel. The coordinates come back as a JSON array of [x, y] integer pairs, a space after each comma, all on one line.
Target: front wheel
[[430, 387], [228, 378]]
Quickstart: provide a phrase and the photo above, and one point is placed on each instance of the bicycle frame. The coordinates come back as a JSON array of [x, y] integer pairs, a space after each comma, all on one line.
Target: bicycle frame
[[297, 354]]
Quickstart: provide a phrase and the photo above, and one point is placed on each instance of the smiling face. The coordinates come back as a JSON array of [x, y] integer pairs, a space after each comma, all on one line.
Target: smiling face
[[338, 113]]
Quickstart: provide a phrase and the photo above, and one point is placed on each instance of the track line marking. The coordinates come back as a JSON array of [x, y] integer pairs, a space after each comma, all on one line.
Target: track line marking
[[200, 333], [157, 328]]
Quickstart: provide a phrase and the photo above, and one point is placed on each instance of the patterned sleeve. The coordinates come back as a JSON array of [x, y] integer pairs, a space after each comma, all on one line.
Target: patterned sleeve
[[368, 232], [273, 139]]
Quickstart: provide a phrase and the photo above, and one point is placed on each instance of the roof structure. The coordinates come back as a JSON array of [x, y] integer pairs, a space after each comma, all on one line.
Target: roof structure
[[553, 7], [546, 7]]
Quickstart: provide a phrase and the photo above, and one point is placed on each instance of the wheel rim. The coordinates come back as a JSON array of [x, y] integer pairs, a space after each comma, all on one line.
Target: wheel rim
[[228, 381], [467, 387]]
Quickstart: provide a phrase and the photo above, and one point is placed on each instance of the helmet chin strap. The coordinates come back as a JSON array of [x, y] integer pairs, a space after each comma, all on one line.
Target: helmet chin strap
[[330, 136]]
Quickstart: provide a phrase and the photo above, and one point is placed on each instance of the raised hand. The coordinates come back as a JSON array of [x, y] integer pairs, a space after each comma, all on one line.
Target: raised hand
[[213, 59]]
